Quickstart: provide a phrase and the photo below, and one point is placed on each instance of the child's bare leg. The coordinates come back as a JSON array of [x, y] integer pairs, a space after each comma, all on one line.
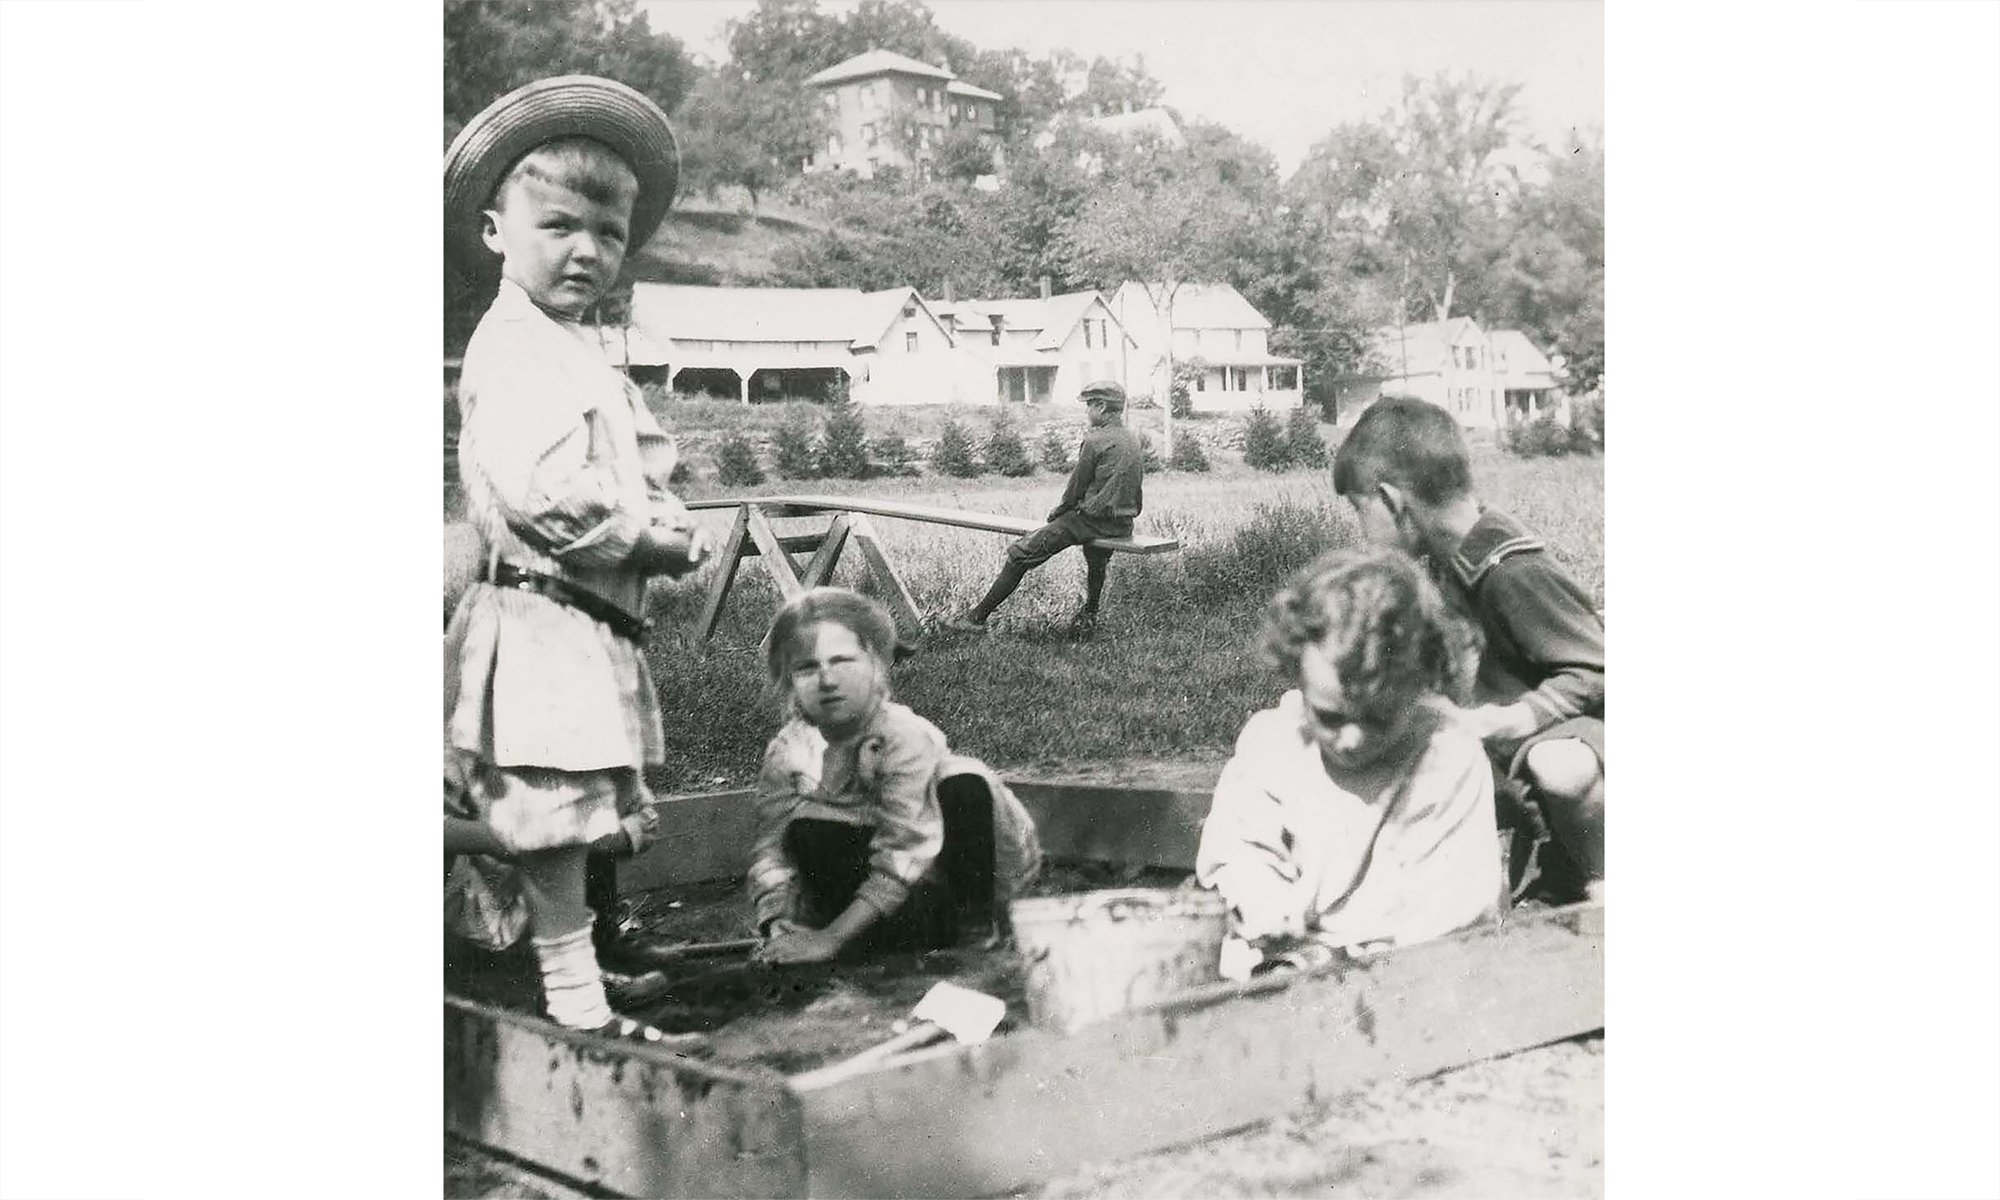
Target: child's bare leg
[[1571, 781], [560, 920]]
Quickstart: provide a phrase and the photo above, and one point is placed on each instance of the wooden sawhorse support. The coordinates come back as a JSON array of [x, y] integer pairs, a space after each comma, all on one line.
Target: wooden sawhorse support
[[752, 536]]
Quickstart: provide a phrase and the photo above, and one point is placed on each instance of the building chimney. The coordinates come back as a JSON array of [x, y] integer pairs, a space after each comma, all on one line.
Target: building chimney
[[1045, 287]]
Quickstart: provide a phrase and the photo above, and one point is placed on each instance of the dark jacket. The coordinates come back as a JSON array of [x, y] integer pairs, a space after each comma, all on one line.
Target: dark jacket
[[1109, 480], [1544, 639]]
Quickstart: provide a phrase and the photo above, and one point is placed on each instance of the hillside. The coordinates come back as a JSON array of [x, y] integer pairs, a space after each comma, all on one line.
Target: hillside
[[711, 242]]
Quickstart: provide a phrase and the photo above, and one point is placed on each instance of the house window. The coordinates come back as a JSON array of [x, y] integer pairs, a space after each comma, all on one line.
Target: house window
[[1087, 343], [1240, 379], [909, 310], [996, 335], [910, 341], [1201, 381], [868, 132], [1239, 339], [923, 94], [972, 112], [833, 147]]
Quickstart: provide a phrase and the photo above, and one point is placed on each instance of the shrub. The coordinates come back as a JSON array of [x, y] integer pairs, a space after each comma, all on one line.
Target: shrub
[[1302, 441], [893, 455], [1586, 420], [1264, 441], [683, 472], [953, 455], [1182, 390], [1188, 455], [736, 461], [843, 452], [1006, 453], [1544, 437], [1055, 450], [792, 445], [1154, 463]]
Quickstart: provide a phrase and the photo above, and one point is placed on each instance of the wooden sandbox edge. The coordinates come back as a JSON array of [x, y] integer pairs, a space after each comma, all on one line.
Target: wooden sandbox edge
[[620, 1116], [1022, 1108]]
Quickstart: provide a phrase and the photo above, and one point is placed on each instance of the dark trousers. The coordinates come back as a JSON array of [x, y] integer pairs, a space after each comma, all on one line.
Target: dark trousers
[[832, 859]]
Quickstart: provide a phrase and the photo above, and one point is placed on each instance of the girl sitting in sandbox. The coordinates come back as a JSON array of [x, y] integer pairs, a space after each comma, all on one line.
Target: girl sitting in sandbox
[[871, 834], [1356, 814]]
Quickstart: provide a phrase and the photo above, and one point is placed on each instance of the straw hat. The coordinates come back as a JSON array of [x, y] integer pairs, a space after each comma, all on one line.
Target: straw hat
[[562, 106]]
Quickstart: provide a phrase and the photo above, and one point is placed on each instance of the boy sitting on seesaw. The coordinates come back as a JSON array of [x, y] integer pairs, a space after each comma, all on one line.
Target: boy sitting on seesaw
[[871, 834], [1357, 813], [1105, 495], [1540, 687]]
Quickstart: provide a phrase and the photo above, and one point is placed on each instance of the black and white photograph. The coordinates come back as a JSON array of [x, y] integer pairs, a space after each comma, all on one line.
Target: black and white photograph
[[1011, 598], [1025, 598]]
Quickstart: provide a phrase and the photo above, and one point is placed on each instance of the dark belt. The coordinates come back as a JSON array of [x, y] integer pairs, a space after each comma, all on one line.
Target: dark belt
[[622, 623]]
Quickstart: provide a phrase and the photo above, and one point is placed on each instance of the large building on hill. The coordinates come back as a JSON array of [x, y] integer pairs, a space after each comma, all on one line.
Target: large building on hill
[[888, 110], [1488, 379]]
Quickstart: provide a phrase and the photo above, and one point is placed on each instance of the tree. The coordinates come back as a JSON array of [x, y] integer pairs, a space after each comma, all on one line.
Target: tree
[[1551, 282], [738, 131], [491, 48], [1303, 445], [843, 451], [1006, 453], [736, 461], [1157, 221], [953, 455], [792, 445], [1264, 445], [964, 155], [1416, 196]]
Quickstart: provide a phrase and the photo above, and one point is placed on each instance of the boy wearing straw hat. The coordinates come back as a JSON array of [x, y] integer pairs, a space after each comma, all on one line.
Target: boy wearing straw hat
[[550, 715]]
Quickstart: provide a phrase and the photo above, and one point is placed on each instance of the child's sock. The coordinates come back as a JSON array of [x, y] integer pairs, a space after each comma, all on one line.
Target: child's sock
[[1010, 578], [571, 981]]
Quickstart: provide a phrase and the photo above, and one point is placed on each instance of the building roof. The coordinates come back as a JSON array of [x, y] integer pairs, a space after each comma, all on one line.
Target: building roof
[[877, 62], [1202, 306], [666, 312], [959, 87], [1521, 355], [1052, 319]]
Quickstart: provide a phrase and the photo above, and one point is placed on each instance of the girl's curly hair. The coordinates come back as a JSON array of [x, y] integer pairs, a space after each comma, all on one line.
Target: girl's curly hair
[[867, 619], [1384, 623]]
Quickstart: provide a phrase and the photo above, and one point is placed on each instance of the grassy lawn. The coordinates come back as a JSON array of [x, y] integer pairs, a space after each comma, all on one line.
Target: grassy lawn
[[1172, 673]]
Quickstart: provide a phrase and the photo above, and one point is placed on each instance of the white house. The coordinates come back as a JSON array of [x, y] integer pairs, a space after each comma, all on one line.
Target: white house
[[1038, 351], [775, 344], [1215, 327], [1486, 379]]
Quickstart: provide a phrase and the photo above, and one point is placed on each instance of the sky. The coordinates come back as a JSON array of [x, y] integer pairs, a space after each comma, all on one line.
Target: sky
[[1280, 72]]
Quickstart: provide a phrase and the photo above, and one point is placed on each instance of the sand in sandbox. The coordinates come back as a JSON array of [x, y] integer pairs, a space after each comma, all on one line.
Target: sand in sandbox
[[788, 1019]]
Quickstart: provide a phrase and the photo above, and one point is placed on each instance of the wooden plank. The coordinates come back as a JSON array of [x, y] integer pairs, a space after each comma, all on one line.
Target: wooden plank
[[832, 542], [726, 561], [956, 517], [621, 1116], [702, 838], [985, 1120], [783, 573], [1141, 826], [707, 836], [791, 543], [900, 602]]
